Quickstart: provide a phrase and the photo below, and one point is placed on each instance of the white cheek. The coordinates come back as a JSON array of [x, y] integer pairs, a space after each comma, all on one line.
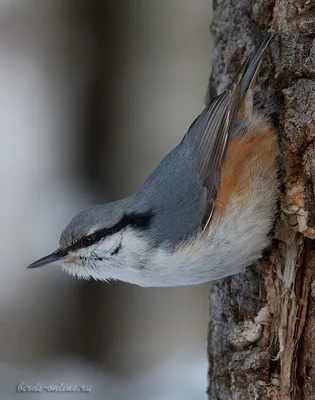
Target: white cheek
[[78, 257], [134, 244], [107, 246], [102, 249], [117, 257]]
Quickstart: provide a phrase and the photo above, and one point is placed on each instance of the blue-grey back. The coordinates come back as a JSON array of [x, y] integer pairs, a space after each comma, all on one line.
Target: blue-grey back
[[174, 193]]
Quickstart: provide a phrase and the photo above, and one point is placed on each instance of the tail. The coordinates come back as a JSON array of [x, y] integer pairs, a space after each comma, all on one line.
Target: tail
[[251, 72], [249, 78]]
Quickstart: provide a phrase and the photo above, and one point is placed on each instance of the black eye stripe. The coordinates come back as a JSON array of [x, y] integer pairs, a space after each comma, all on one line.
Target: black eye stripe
[[136, 220]]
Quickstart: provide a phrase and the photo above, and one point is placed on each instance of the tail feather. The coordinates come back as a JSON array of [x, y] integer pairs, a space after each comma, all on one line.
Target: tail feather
[[248, 80]]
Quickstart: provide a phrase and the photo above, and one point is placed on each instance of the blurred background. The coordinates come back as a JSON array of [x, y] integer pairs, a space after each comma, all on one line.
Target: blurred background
[[93, 95]]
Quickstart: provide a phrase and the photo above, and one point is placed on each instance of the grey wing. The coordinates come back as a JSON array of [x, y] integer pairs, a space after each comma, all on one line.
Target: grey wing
[[209, 134], [178, 191]]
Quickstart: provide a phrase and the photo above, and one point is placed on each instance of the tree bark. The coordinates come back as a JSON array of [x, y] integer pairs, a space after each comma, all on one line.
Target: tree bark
[[262, 322]]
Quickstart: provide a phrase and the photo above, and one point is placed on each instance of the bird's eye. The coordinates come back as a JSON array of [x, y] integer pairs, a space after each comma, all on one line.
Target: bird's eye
[[87, 241]]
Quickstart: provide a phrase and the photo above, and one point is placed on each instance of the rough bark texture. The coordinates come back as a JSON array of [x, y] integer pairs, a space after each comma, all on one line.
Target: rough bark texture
[[262, 329]]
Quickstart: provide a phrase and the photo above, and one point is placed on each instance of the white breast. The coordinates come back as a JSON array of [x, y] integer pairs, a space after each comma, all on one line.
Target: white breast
[[235, 242]]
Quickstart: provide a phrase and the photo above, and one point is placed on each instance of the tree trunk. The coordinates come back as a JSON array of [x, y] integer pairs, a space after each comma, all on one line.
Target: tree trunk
[[262, 322]]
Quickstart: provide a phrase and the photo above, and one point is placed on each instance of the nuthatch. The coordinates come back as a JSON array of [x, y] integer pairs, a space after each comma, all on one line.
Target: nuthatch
[[203, 214]]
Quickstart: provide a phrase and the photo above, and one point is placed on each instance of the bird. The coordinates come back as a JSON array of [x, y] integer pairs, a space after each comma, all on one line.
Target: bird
[[205, 212]]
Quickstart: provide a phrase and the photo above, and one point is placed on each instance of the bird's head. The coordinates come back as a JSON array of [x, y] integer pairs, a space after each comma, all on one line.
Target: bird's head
[[103, 242]]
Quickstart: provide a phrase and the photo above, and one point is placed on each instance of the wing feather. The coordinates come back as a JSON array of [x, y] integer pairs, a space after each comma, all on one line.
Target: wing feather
[[209, 134]]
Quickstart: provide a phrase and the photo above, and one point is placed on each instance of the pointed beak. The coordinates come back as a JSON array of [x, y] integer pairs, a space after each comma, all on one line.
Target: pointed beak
[[53, 258]]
